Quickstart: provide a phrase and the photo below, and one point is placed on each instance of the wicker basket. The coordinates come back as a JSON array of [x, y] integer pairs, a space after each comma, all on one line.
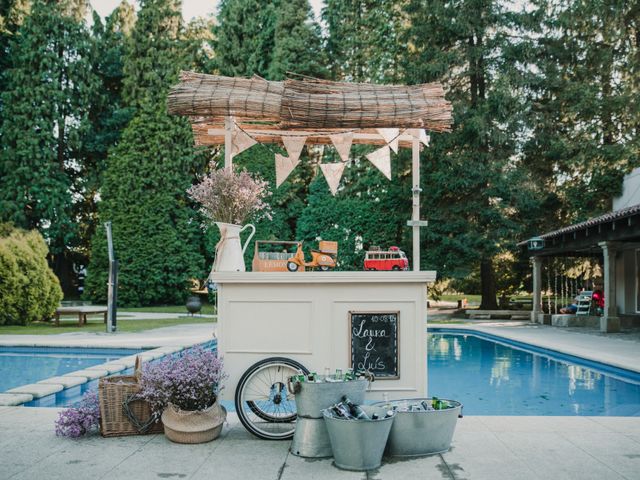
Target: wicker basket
[[199, 426], [116, 391]]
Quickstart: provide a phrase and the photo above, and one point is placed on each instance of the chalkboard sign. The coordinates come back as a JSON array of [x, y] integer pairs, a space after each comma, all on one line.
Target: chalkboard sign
[[374, 343]]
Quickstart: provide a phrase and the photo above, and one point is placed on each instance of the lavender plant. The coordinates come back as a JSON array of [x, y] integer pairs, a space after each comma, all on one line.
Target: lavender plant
[[230, 197], [191, 380], [81, 418]]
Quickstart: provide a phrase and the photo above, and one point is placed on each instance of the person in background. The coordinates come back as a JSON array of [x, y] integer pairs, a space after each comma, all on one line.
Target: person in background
[[598, 299], [573, 308]]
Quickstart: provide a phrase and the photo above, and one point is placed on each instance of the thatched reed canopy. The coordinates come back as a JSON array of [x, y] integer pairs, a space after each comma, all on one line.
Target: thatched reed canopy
[[311, 107]]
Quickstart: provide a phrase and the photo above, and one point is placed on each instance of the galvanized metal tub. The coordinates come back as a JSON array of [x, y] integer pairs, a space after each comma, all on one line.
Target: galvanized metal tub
[[421, 432], [311, 439], [312, 398], [358, 444]]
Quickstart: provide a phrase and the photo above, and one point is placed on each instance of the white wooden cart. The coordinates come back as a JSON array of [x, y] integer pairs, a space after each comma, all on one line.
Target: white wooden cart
[[272, 325]]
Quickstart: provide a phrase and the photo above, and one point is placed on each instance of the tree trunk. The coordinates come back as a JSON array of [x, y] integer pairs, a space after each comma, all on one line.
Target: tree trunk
[[62, 266], [487, 285]]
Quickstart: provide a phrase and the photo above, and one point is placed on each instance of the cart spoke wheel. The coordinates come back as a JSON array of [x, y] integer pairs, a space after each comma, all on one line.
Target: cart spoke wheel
[[264, 405]]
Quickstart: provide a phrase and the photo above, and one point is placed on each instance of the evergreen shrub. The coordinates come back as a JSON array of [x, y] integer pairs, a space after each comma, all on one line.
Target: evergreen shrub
[[29, 290]]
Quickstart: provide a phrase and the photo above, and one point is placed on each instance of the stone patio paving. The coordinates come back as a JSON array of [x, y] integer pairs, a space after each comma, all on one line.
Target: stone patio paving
[[549, 448]]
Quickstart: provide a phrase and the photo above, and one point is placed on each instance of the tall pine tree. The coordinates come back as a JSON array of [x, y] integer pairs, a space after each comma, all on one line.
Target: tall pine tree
[[474, 190], [155, 229], [580, 67], [49, 86]]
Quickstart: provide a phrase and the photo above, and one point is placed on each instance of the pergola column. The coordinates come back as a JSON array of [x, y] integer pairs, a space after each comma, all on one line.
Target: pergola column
[[609, 322], [536, 311]]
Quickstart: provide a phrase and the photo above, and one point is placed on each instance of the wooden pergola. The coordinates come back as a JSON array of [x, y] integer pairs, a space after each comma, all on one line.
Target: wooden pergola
[[269, 111]]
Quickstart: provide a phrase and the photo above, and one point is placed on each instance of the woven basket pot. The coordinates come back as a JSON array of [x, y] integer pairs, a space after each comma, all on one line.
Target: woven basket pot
[[193, 426]]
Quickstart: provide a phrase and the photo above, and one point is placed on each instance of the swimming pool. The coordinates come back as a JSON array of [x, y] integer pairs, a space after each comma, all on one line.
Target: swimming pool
[[25, 365], [492, 378]]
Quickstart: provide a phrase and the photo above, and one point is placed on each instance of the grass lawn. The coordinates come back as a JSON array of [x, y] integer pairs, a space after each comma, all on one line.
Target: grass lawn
[[207, 309], [70, 324], [455, 298]]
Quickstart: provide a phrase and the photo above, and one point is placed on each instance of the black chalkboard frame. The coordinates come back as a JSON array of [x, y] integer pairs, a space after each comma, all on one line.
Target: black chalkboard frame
[[397, 352]]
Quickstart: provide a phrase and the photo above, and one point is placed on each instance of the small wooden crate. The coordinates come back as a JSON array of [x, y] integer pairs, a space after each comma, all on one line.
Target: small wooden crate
[[326, 246], [272, 261]]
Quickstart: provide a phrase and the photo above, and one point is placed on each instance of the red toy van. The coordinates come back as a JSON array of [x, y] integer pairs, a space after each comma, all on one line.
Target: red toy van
[[392, 259]]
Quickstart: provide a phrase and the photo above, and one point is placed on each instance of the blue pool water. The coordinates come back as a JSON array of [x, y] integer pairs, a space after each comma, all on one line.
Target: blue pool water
[[491, 378], [24, 365]]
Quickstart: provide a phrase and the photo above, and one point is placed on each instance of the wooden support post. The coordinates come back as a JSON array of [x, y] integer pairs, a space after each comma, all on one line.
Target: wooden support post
[[228, 142], [415, 215]]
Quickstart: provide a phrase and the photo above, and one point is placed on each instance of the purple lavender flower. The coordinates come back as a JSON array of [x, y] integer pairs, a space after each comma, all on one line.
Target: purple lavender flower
[[230, 197], [81, 418], [190, 380]]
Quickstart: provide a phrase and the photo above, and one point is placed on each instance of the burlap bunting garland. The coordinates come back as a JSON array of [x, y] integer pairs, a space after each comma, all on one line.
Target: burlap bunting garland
[[381, 158], [294, 146], [284, 166], [390, 136], [240, 141], [342, 142], [333, 173]]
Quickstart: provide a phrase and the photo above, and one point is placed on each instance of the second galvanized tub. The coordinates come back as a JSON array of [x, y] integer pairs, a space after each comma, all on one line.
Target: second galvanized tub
[[311, 439], [358, 444], [421, 432], [312, 398]]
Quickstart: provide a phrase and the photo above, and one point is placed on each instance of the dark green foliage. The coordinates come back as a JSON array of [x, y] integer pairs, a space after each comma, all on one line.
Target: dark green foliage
[[297, 45], [108, 117], [29, 290], [267, 38], [244, 37], [474, 189], [583, 97], [155, 229], [155, 238], [49, 86], [363, 42]]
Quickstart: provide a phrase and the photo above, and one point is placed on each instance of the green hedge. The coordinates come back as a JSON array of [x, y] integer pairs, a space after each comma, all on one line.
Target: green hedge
[[29, 290]]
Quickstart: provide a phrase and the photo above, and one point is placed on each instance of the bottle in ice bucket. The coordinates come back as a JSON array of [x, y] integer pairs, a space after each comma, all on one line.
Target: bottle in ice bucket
[[354, 409], [338, 376], [341, 410], [439, 404], [348, 376]]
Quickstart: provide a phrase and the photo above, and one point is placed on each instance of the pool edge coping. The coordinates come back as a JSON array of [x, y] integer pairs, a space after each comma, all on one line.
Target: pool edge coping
[[14, 397]]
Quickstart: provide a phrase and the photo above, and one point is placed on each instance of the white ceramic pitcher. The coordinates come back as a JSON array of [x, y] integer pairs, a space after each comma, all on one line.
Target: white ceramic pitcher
[[229, 250]]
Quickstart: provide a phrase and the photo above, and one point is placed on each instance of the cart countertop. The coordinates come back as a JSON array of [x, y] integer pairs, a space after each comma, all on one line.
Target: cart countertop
[[324, 277]]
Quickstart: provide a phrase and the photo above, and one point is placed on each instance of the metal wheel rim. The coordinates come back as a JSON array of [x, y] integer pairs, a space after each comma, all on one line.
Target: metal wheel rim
[[275, 420]]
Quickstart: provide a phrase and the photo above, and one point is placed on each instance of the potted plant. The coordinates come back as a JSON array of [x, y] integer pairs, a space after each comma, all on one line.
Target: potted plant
[[229, 199], [185, 389]]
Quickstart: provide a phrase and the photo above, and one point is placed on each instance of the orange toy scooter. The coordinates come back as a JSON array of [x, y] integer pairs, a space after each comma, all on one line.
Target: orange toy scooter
[[324, 259]]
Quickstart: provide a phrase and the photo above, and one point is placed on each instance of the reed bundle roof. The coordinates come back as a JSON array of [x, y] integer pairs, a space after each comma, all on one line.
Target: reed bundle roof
[[310, 107]]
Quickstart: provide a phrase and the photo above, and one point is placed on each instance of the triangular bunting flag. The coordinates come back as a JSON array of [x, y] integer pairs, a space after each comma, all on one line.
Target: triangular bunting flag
[[294, 146], [240, 141], [342, 142], [332, 174], [424, 138], [381, 158], [284, 166], [390, 136], [420, 134]]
